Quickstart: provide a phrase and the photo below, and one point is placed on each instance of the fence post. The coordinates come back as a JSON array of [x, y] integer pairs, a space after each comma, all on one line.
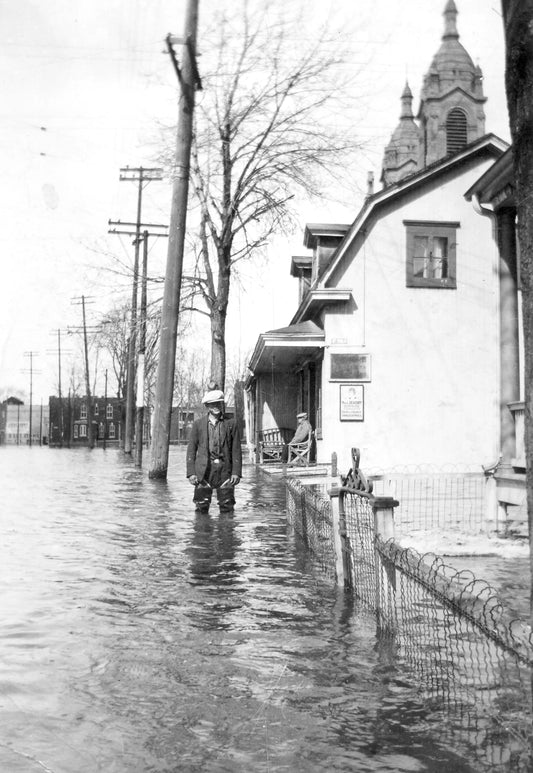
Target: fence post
[[383, 509], [491, 503], [339, 534]]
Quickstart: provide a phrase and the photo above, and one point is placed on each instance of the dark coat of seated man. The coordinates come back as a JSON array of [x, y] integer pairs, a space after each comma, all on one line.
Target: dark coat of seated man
[[303, 430], [214, 456]]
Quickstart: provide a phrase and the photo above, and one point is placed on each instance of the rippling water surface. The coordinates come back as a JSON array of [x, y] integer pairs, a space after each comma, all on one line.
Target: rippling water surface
[[136, 636]]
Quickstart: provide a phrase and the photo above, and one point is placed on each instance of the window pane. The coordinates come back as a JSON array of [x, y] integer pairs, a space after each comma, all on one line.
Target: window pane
[[421, 246], [440, 247], [420, 267]]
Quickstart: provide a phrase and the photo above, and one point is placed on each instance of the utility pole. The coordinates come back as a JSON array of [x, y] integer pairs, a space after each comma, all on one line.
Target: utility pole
[[105, 414], [139, 419], [90, 436], [142, 176], [189, 81], [59, 352], [61, 414], [124, 228], [31, 355]]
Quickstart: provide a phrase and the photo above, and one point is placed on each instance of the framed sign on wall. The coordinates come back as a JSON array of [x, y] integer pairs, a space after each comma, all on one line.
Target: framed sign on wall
[[352, 402], [350, 367]]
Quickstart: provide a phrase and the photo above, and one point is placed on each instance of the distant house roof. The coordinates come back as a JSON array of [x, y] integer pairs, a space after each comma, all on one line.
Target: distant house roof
[[13, 401]]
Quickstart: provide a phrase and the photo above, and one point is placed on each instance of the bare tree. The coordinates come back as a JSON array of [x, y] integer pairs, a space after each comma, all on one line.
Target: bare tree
[[112, 338], [518, 23], [263, 135]]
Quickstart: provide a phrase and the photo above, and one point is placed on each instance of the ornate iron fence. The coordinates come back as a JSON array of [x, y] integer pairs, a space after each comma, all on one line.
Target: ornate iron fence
[[472, 664]]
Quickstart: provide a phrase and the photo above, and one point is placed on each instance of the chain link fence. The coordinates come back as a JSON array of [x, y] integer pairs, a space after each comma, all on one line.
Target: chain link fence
[[435, 498], [447, 628]]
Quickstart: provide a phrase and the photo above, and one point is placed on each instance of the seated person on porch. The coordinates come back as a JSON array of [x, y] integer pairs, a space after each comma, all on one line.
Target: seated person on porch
[[303, 430]]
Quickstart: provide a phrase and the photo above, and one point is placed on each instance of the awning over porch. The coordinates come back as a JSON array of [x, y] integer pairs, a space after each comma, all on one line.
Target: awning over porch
[[278, 350]]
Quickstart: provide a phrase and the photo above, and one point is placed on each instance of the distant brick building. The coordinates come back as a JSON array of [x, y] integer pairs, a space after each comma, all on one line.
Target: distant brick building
[[69, 426]]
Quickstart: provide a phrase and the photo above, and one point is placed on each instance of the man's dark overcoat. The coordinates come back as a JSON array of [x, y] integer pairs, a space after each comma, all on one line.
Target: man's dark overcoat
[[198, 449]]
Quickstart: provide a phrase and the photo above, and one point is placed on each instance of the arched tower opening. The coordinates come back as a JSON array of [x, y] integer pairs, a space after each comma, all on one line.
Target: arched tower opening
[[456, 131]]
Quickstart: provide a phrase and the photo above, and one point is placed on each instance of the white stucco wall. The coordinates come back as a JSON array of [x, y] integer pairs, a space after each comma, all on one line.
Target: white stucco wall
[[433, 394]]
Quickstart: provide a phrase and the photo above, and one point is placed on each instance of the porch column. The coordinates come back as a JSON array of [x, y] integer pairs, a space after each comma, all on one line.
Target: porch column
[[509, 365]]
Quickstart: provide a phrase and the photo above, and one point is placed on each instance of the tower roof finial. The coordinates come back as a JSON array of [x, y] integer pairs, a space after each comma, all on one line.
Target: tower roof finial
[[450, 21]]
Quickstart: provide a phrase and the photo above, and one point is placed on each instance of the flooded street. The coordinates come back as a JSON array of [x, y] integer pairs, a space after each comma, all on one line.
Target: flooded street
[[136, 636]]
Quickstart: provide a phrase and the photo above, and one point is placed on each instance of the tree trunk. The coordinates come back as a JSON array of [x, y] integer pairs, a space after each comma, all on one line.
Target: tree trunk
[[518, 22], [218, 346], [218, 317]]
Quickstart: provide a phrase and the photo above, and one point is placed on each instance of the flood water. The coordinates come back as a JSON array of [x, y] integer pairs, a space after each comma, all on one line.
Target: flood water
[[136, 636]]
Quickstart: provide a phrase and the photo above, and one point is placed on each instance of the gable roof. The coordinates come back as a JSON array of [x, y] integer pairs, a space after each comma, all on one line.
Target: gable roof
[[490, 143]]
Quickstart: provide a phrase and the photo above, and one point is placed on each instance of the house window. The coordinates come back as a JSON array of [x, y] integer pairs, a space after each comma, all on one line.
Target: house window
[[96, 409], [112, 430], [83, 430], [75, 430], [101, 429], [456, 131], [83, 411], [109, 411], [431, 254]]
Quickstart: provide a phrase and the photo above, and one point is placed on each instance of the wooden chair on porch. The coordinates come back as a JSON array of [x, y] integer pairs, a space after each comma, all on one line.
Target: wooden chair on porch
[[300, 453], [271, 443]]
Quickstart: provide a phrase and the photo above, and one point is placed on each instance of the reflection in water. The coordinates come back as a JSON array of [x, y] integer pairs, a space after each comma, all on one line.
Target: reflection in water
[[137, 636]]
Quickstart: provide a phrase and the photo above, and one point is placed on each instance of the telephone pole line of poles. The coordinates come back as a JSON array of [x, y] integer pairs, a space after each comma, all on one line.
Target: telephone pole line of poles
[[124, 228], [59, 352], [139, 419], [31, 355], [142, 176], [90, 435], [189, 81]]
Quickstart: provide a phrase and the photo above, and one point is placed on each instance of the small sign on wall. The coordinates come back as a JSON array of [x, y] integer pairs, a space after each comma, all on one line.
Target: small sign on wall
[[350, 367], [352, 402]]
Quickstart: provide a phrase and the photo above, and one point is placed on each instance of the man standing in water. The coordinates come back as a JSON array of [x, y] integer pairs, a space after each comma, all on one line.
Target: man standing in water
[[214, 456]]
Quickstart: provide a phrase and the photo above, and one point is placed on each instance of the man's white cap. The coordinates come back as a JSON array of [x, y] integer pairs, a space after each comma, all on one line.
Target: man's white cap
[[214, 396]]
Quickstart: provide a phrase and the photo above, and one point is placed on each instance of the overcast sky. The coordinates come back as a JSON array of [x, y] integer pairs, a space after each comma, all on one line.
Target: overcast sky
[[85, 85]]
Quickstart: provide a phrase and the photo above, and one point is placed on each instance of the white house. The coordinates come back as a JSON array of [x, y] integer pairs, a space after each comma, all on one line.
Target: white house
[[395, 346]]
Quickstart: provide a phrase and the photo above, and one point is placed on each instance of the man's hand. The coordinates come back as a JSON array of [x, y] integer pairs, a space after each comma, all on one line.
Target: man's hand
[[193, 480], [234, 480]]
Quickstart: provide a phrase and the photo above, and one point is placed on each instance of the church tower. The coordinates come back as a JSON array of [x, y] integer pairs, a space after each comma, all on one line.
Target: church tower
[[451, 111], [403, 151]]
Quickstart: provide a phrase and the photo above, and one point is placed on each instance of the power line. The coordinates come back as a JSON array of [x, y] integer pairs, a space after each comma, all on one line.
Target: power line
[[142, 176]]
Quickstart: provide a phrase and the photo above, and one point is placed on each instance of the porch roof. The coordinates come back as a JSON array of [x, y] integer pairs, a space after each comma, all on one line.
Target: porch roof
[[279, 350]]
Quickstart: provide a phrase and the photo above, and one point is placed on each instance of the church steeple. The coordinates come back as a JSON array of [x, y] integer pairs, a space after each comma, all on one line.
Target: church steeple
[[403, 150], [451, 101], [451, 111]]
